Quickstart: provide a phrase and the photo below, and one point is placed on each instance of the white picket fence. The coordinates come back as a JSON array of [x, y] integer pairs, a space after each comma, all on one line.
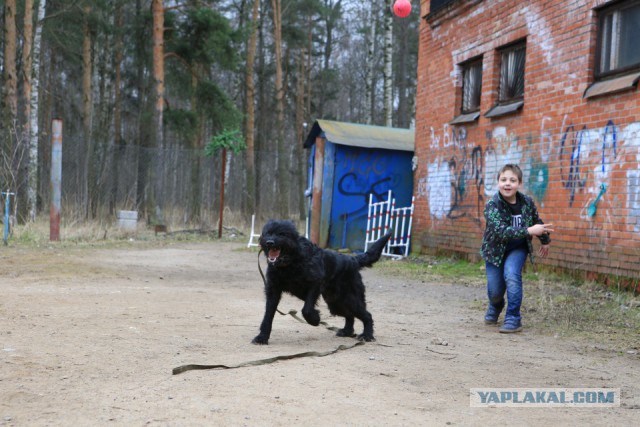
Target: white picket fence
[[383, 217], [253, 233]]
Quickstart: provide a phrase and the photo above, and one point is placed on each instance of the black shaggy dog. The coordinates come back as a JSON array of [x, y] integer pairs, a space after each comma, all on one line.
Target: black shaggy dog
[[301, 268]]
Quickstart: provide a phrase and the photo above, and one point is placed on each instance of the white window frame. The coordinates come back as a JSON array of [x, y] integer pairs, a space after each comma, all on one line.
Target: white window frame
[[471, 86], [510, 70], [610, 30]]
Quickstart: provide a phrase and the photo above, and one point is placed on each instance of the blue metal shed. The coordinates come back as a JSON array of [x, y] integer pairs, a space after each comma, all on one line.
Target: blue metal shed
[[347, 163]]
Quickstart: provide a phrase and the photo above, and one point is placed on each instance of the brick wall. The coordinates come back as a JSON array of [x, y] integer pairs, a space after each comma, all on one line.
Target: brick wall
[[569, 148]]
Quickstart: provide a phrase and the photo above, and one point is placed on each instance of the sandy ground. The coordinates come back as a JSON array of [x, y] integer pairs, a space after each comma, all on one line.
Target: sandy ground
[[90, 337]]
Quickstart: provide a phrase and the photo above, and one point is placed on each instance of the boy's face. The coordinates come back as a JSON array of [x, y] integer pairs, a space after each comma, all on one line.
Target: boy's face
[[508, 185]]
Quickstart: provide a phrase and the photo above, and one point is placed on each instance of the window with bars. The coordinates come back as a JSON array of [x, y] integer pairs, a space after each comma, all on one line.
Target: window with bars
[[471, 86], [512, 61], [618, 38]]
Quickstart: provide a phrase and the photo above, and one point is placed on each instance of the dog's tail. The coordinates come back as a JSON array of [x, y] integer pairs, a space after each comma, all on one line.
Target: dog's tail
[[373, 253]]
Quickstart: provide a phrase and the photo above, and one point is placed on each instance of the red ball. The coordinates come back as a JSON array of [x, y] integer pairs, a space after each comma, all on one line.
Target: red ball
[[402, 8]]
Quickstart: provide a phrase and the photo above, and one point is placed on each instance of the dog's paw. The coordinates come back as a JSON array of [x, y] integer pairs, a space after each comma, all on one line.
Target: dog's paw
[[367, 338], [312, 317], [345, 333], [259, 340]]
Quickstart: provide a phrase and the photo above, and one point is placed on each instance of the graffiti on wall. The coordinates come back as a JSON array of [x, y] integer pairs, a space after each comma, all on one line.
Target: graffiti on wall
[[633, 196], [462, 169], [538, 166], [361, 173], [502, 148], [348, 186], [570, 151], [583, 158], [631, 139]]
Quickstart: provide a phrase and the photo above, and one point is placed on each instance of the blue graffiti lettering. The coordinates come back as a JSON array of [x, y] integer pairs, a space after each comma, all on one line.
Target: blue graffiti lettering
[[610, 128], [574, 180]]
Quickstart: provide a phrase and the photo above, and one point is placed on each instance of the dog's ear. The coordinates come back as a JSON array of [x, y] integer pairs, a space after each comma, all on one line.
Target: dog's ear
[[291, 225], [268, 226], [291, 228]]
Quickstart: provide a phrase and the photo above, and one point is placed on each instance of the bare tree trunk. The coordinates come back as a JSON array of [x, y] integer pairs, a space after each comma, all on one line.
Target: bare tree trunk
[[142, 135], [34, 106], [388, 63], [330, 23], [27, 58], [404, 112], [117, 104], [10, 74], [117, 107], [308, 76], [263, 128], [157, 7], [10, 95], [368, 73], [158, 66], [300, 116], [282, 179], [86, 114], [250, 129], [102, 156], [48, 76], [196, 145]]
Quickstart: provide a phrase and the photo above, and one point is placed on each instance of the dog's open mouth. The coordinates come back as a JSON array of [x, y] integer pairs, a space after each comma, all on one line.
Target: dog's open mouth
[[273, 255]]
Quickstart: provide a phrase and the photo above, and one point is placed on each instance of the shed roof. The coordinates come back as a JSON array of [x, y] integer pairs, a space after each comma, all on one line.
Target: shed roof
[[357, 135]]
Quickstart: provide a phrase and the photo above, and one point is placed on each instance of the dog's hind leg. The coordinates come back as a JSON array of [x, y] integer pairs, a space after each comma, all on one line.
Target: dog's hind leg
[[339, 309], [347, 331], [367, 320]]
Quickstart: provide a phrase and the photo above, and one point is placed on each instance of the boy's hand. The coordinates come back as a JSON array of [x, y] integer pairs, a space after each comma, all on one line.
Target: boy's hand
[[543, 251], [540, 229]]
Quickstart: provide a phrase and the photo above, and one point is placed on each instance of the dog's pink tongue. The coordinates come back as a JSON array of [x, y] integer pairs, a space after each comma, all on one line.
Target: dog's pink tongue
[[274, 254]]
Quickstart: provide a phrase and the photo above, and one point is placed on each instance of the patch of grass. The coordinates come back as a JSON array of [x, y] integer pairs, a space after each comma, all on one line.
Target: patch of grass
[[586, 311], [554, 304], [29, 235], [108, 234], [429, 268]]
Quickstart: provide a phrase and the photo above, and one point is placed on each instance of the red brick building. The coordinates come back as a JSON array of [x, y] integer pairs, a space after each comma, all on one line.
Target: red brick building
[[550, 85]]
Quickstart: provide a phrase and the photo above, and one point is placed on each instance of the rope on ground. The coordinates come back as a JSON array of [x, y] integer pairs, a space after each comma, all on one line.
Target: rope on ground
[[192, 367]]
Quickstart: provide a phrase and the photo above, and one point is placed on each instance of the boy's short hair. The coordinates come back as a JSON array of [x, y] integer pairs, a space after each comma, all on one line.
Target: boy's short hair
[[513, 168]]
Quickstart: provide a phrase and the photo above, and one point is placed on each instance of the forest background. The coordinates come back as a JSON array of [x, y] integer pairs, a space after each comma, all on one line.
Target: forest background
[[143, 88]]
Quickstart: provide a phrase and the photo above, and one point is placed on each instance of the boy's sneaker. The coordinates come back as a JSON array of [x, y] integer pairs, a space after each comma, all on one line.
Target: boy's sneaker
[[510, 328], [491, 315]]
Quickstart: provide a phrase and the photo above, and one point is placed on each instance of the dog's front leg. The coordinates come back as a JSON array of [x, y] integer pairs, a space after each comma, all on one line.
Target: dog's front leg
[[273, 299], [309, 312]]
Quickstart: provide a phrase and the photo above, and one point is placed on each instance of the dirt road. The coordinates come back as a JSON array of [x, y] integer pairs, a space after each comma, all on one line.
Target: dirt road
[[90, 337]]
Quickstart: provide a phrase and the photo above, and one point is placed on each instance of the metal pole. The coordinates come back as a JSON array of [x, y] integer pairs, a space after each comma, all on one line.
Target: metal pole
[[7, 207], [6, 217], [56, 180], [224, 166]]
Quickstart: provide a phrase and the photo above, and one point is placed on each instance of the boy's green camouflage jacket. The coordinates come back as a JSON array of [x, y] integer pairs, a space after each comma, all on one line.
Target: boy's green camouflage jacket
[[499, 230]]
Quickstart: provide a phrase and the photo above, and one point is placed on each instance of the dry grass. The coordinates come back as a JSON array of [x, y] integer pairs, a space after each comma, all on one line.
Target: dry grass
[[587, 312], [73, 233]]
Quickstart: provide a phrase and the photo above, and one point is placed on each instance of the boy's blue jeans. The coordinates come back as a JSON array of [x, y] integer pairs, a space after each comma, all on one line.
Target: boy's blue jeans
[[507, 277]]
